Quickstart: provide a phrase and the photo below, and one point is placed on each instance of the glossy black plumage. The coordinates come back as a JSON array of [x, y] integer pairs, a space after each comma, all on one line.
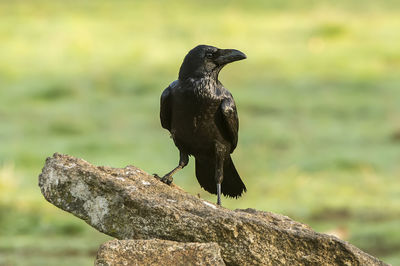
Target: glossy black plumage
[[201, 116]]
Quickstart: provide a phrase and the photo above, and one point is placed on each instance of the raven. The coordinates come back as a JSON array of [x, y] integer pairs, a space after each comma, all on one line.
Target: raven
[[201, 116]]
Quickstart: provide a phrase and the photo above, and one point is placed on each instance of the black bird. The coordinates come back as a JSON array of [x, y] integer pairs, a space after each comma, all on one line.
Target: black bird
[[201, 116]]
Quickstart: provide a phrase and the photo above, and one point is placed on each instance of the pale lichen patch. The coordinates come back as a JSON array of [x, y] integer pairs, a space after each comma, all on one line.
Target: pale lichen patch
[[67, 166], [131, 188], [80, 190], [96, 209], [53, 180]]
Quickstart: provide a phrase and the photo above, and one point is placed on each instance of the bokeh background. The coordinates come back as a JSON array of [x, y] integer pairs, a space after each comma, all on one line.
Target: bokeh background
[[318, 101]]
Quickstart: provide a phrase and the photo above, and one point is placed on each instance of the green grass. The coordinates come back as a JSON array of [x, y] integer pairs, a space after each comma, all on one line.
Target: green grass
[[318, 102], [51, 250]]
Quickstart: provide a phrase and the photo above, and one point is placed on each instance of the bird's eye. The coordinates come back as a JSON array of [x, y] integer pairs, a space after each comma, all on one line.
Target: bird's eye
[[209, 55]]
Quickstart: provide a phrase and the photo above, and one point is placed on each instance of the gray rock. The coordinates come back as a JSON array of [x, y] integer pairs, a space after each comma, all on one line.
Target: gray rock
[[158, 252], [128, 203]]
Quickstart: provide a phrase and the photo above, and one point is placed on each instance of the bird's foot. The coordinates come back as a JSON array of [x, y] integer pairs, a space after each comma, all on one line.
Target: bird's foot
[[219, 202], [167, 179]]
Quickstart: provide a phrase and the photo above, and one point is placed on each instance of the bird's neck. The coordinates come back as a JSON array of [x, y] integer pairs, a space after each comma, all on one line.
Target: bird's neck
[[188, 73], [203, 86]]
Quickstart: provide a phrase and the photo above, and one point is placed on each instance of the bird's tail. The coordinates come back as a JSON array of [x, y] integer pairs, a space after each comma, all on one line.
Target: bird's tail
[[232, 185]]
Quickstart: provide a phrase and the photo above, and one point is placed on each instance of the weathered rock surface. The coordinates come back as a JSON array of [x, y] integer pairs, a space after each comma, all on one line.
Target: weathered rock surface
[[158, 252], [131, 204]]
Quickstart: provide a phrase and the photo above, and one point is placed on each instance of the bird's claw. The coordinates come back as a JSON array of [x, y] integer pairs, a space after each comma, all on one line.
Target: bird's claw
[[165, 179]]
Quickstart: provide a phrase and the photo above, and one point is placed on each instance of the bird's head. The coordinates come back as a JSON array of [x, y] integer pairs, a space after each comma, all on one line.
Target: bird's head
[[205, 60]]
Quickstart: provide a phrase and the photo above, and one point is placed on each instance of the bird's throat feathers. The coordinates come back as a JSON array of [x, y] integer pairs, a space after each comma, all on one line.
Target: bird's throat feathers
[[204, 87], [186, 73]]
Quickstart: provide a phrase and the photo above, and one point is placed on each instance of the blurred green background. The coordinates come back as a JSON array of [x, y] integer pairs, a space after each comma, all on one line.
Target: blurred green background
[[318, 101]]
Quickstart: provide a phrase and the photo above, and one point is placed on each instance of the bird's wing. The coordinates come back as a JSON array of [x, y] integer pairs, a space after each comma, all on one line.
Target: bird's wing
[[230, 119], [165, 106]]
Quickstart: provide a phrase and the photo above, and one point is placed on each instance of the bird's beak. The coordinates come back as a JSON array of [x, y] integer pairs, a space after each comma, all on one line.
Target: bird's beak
[[228, 56]]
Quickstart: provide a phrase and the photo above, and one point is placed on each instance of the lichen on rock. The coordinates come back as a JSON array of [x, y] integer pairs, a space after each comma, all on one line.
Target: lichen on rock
[[128, 203], [158, 252]]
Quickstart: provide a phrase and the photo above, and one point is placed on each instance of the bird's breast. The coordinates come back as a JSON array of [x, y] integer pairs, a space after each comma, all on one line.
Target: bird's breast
[[194, 121]]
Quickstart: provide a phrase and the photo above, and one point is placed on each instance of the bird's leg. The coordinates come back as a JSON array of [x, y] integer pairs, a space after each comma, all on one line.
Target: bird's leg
[[218, 194], [183, 161], [219, 170], [219, 175]]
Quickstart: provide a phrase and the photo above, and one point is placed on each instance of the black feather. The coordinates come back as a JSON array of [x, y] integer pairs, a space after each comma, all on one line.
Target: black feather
[[232, 185]]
